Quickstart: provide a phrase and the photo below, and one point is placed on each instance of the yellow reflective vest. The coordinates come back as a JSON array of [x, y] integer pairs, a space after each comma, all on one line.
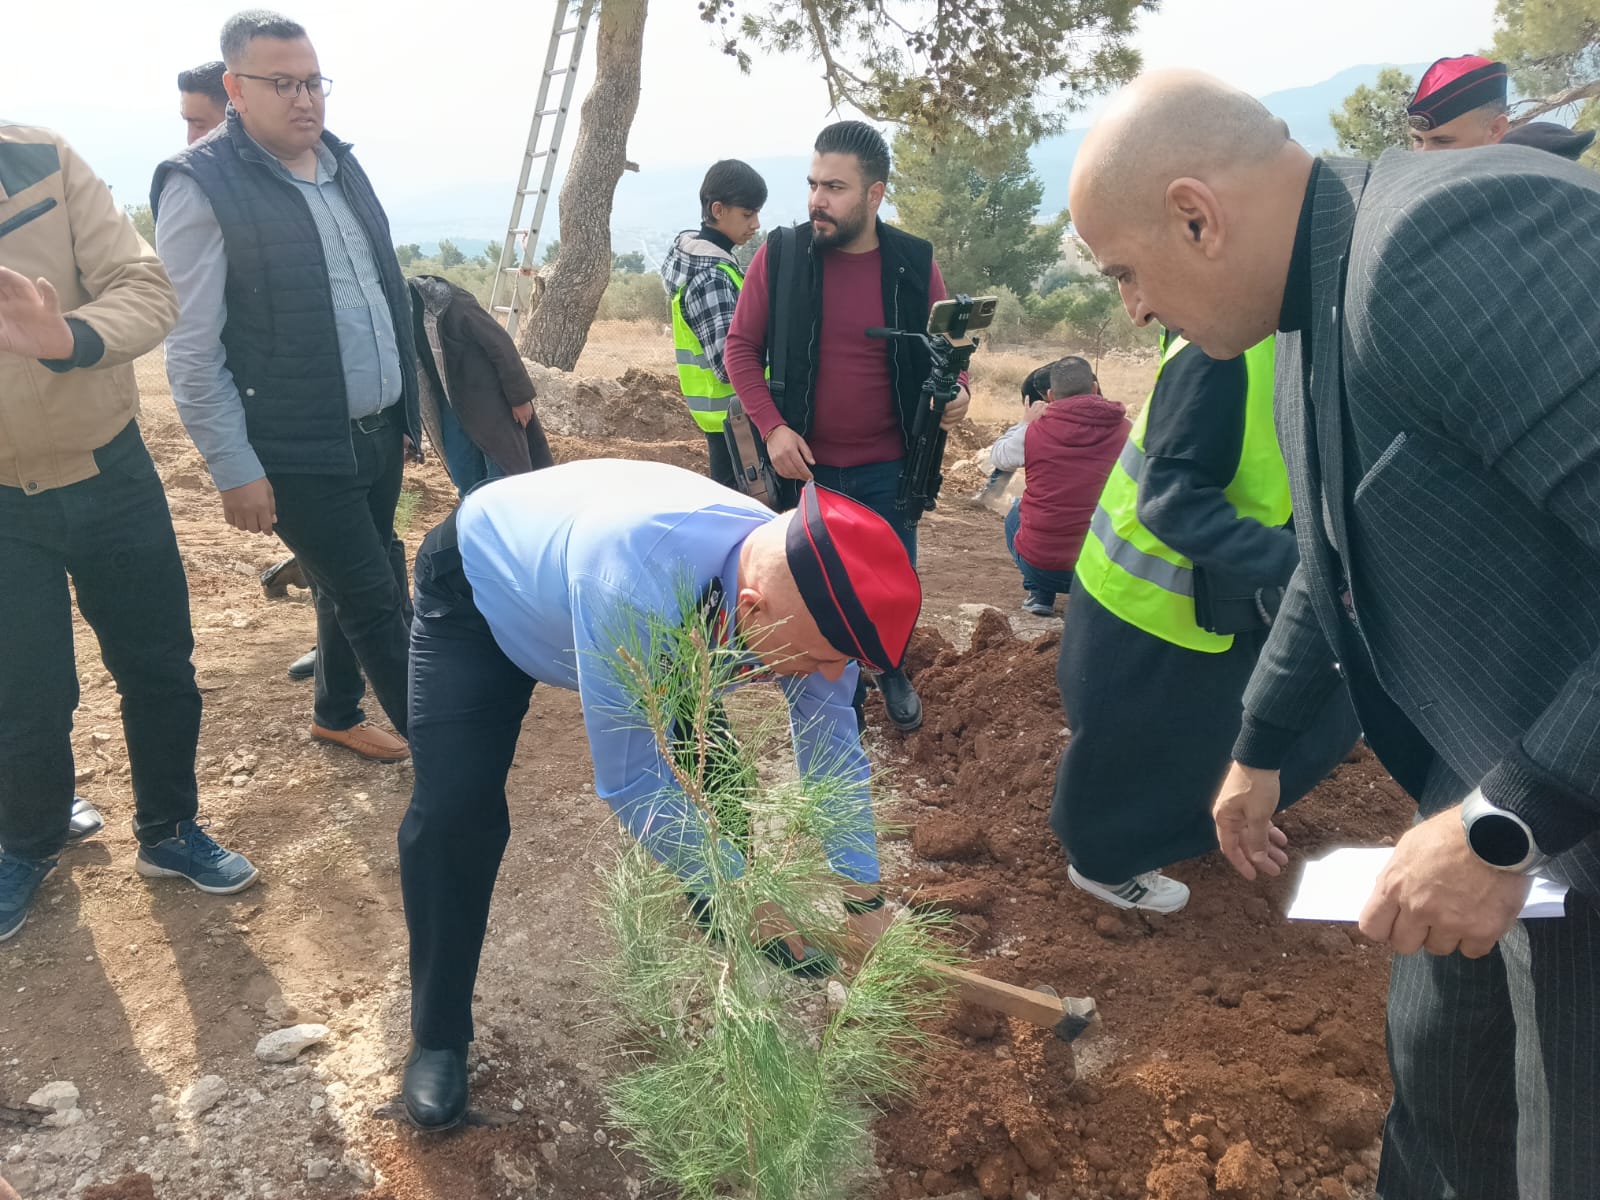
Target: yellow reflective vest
[[1132, 572], [706, 395]]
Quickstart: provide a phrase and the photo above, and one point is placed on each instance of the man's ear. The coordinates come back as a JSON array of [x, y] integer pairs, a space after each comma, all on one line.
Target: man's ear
[[1195, 209], [875, 194], [1498, 128]]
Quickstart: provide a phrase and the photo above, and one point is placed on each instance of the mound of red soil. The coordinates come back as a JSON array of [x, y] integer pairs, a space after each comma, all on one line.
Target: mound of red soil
[[1238, 1055]]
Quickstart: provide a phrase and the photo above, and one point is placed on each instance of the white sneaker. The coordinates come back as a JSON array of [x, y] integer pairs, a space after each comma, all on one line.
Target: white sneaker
[[1151, 891]]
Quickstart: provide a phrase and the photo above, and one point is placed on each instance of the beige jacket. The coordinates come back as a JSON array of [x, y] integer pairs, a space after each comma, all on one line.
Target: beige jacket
[[58, 221]]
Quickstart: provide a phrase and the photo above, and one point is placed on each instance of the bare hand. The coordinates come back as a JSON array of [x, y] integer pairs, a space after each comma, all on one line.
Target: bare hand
[[866, 928], [1436, 895], [1243, 814], [31, 323], [1035, 411], [523, 413], [956, 409], [790, 454], [251, 507]]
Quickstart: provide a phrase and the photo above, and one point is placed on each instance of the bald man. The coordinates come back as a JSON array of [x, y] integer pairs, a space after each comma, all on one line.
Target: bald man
[[1438, 405]]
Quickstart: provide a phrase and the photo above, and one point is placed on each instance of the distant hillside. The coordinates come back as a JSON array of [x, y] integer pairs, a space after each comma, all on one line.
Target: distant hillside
[[656, 201]]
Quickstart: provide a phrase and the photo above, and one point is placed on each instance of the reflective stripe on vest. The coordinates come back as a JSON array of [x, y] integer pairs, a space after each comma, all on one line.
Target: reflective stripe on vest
[[706, 395], [1133, 573]]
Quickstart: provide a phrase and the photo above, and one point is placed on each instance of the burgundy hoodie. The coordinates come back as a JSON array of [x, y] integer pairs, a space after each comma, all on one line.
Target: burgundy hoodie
[[1069, 450]]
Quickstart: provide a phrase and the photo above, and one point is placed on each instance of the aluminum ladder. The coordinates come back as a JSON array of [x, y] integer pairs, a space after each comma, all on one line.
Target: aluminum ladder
[[513, 279]]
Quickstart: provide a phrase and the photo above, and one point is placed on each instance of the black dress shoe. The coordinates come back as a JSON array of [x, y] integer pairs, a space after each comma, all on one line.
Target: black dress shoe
[[900, 700], [305, 666], [276, 580], [86, 820], [435, 1088]]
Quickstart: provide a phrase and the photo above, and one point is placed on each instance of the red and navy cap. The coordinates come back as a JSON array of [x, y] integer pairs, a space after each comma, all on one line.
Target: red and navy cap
[[1454, 86], [855, 577]]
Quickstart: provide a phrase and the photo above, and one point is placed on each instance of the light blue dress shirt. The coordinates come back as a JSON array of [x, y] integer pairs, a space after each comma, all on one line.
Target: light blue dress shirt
[[566, 563], [189, 241]]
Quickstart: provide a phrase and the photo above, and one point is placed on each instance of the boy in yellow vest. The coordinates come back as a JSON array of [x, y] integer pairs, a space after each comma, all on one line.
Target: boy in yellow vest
[[1173, 593], [703, 278]]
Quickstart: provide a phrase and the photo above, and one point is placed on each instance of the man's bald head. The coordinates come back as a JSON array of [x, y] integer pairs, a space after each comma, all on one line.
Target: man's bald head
[[1169, 124], [1183, 190]]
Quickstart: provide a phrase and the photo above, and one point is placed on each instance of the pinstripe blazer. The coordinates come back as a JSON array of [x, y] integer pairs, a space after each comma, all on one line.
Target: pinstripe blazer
[[1440, 416]]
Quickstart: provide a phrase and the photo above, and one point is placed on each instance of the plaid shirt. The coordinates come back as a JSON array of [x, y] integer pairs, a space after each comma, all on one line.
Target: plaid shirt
[[709, 296]]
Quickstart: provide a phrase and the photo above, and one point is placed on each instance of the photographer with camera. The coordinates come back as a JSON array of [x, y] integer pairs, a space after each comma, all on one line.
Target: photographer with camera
[[841, 407]]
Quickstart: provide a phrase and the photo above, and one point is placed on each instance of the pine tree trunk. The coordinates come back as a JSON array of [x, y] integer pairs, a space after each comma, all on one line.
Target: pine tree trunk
[[555, 332]]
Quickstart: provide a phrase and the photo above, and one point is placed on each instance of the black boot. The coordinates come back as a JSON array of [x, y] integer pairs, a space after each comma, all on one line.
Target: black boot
[[305, 666], [435, 1088], [900, 700]]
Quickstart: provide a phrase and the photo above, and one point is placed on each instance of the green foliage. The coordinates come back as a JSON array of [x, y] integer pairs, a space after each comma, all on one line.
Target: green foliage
[[1373, 119], [1551, 47], [1023, 63], [1085, 313], [450, 254], [747, 252], [143, 220], [631, 263], [491, 256], [736, 1084], [975, 198], [631, 297], [474, 274], [551, 249]]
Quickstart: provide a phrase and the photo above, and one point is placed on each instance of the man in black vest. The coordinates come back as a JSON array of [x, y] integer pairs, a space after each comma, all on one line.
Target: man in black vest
[[292, 362], [841, 405]]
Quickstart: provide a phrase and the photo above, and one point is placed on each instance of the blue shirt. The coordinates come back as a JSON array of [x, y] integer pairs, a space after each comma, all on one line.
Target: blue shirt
[[189, 240], [567, 563]]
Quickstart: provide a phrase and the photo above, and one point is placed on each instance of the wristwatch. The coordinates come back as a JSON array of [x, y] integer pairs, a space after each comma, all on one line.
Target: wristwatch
[[1500, 838]]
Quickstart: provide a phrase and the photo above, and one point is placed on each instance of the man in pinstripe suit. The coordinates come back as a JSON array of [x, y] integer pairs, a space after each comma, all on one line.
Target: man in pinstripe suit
[[1438, 404]]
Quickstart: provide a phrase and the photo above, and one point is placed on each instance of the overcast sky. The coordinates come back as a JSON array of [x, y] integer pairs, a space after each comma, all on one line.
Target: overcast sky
[[439, 94]]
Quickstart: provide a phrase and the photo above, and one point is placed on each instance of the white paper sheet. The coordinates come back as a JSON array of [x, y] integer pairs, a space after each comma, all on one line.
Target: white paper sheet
[[1335, 887]]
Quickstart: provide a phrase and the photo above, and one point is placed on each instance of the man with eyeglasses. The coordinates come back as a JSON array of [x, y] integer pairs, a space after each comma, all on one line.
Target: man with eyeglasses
[[292, 363]]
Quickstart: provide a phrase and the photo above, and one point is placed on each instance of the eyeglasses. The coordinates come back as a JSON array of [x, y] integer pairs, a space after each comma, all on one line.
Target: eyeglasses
[[289, 89]]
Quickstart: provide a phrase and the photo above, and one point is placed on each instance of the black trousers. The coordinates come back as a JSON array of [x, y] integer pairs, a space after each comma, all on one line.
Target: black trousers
[[467, 704], [112, 535], [341, 528], [720, 461], [1496, 1060], [1153, 727]]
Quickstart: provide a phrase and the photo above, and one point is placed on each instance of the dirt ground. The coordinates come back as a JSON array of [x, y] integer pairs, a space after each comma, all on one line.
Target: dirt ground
[[1220, 1025]]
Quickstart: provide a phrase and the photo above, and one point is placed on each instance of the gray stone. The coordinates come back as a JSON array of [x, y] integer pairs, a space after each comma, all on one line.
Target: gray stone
[[200, 1096], [319, 1168], [286, 1045], [59, 1095]]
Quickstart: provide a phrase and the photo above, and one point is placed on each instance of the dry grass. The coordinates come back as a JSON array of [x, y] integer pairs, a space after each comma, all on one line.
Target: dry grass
[[997, 375]]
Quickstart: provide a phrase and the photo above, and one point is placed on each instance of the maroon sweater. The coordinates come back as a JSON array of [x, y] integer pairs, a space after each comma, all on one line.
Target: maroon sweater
[[1068, 451], [855, 420]]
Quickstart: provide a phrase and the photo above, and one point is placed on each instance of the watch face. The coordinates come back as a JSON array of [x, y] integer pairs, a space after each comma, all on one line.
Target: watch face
[[1499, 840]]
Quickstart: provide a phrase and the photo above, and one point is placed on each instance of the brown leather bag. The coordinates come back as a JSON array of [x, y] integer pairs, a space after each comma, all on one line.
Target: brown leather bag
[[752, 469]]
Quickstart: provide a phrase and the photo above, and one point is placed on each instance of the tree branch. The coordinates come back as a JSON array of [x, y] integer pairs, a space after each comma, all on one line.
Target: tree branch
[[1571, 95]]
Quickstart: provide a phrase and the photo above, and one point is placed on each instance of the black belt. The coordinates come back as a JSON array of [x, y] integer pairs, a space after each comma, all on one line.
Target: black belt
[[372, 422]]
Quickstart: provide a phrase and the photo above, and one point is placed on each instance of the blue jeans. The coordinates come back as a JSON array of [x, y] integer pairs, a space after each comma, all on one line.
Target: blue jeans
[[1047, 584], [468, 466], [111, 534], [874, 485]]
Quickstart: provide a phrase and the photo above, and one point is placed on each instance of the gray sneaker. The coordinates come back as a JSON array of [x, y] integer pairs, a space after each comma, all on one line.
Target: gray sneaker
[[19, 883], [192, 855]]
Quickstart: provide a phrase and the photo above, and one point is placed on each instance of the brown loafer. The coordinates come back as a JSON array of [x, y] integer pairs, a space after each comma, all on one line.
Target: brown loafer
[[366, 740]]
